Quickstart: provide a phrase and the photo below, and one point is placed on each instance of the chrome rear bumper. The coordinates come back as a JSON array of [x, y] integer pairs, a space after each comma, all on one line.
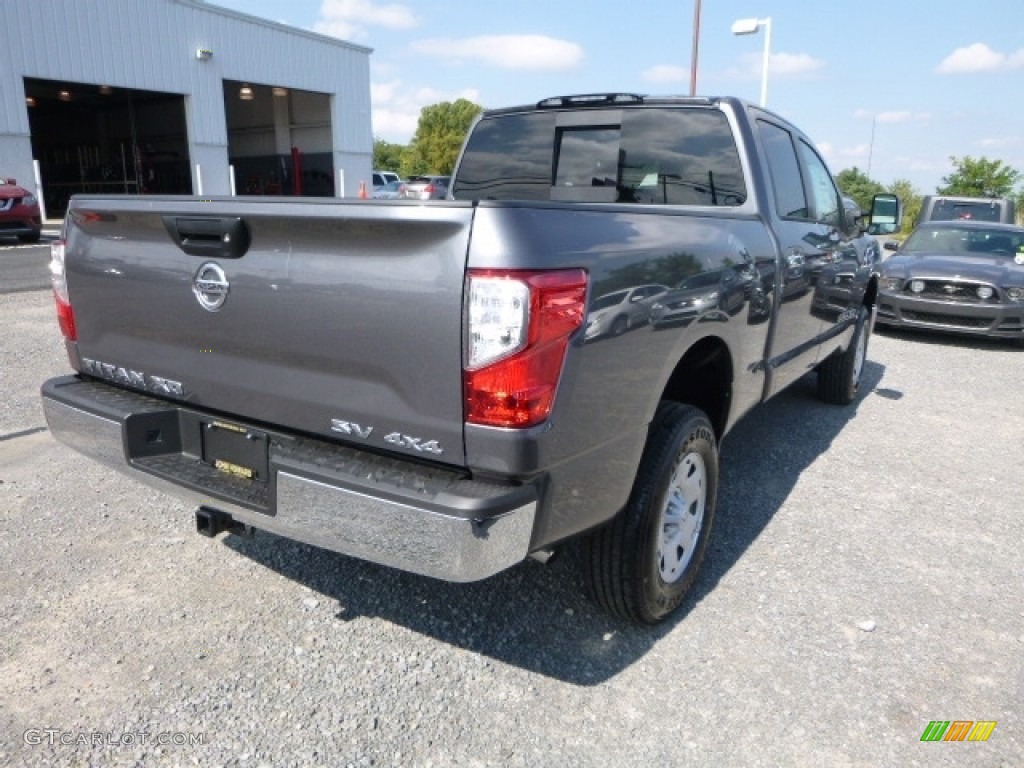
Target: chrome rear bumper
[[427, 520]]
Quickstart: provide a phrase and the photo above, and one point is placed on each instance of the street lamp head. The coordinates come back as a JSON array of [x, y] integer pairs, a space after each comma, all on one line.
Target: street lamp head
[[749, 27], [745, 26]]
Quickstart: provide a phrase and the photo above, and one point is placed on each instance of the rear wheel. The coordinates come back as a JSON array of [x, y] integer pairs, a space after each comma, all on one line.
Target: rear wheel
[[31, 237], [641, 565], [839, 376]]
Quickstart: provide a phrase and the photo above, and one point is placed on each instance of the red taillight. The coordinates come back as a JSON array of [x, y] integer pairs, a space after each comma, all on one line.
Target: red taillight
[[429, 189], [58, 278], [515, 349], [66, 319]]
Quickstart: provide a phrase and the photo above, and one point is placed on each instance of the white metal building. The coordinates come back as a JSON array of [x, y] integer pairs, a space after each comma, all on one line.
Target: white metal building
[[177, 96]]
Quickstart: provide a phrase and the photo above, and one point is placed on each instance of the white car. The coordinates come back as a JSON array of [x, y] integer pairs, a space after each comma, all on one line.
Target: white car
[[615, 313], [382, 178]]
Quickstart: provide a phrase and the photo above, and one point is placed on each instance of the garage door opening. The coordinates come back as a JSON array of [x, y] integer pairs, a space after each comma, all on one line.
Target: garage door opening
[[279, 140], [91, 138]]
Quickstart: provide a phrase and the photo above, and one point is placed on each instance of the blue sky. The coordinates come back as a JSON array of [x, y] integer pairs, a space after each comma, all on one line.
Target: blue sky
[[897, 87]]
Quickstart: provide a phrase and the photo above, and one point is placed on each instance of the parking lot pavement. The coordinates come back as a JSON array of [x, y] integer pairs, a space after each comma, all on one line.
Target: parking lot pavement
[[864, 579]]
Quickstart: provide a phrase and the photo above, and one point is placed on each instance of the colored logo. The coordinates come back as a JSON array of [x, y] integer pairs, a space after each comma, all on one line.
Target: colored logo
[[958, 730]]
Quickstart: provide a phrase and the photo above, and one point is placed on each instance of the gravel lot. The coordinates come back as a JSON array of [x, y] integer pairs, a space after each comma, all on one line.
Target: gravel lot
[[866, 576]]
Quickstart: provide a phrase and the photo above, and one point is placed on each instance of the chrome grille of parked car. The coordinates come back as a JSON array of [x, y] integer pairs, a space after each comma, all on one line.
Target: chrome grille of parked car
[[956, 291]]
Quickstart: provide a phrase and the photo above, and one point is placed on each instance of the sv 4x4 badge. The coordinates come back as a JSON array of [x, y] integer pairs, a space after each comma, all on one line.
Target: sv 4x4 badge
[[352, 429]]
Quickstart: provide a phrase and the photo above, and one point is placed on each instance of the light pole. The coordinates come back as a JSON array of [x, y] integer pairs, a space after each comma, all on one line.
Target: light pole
[[750, 27]]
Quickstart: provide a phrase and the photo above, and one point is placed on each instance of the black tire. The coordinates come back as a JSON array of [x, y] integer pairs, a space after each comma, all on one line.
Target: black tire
[[625, 565], [839, 375], [619, 326], [32, 237]]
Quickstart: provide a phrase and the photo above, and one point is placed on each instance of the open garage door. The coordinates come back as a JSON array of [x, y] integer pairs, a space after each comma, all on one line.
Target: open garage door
[[279, 140], [99, 139]]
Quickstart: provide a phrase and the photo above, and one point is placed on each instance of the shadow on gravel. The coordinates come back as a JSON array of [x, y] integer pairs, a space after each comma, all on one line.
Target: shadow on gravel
[[536, 617]]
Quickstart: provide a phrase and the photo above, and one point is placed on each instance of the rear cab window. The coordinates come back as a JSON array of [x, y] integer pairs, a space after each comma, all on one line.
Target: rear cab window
[[953, 210], [648, 155]]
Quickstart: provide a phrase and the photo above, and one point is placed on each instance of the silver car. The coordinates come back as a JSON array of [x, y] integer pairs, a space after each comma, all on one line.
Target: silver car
[[425, 188]]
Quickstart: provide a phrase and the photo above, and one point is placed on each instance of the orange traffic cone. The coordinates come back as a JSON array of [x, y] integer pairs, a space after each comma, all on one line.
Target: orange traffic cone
[[362, 190]]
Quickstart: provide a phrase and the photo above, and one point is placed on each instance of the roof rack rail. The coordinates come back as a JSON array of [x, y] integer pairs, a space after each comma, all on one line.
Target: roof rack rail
[[591, 99]]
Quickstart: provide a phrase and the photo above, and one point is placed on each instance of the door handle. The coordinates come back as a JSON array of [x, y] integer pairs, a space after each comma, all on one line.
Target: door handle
[[225, 238]]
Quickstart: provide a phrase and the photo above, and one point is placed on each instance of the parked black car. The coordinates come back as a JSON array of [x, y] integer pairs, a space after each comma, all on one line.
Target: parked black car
[[960, 276], [711, 295]]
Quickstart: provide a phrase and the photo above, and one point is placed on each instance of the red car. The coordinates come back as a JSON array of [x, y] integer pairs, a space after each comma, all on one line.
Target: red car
[[19, 212]]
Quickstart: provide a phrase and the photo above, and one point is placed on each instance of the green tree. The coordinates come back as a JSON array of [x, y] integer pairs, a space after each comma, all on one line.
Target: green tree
[[439, 136], [858, 185], [387, 156], [980, 177], [910, 198]]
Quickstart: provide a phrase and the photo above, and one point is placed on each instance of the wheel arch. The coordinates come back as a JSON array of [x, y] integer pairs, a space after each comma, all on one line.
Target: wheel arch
[[703, 378]]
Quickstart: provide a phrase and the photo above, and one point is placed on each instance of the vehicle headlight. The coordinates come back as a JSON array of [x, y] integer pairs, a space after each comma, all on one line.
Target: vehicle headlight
[[917, 286], [1015, 293], [984, 292], [29, 200], [891, 283]]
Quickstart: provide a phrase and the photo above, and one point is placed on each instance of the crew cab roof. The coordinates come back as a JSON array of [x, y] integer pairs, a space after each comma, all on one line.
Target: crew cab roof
[[611, 100]]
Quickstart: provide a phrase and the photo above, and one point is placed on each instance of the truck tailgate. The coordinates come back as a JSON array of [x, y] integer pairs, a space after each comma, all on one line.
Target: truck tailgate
[[340, 318]]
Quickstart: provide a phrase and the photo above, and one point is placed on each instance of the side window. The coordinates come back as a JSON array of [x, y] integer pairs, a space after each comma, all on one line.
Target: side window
[[824, 195], [679, 157], [790, 201]]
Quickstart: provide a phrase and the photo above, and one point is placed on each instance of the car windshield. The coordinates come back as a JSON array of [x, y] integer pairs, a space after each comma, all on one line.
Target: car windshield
[[608, 300], [965, 241]]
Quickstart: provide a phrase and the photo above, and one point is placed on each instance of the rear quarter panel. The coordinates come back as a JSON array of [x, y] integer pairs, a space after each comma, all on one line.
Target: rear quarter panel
[[611, 386]]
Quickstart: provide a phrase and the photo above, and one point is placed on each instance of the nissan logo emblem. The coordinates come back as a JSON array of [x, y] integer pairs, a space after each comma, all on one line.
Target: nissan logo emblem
[[210, 285]]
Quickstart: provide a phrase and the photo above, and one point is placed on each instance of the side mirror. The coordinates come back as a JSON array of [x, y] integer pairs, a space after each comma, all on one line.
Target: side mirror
[[855, 222], [886, 213]]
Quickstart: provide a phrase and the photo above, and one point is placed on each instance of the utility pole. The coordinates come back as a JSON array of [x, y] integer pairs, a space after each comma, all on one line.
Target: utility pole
[[696, 46]]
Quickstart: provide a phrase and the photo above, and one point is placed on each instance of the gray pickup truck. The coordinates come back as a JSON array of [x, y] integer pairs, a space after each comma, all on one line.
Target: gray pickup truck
[[412, 383]]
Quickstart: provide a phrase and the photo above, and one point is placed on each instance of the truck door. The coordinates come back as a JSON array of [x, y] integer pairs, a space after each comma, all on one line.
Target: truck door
[[807, 224]]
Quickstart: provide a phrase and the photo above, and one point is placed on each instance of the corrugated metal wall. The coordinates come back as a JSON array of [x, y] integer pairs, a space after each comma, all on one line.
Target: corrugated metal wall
[[152, 44]]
